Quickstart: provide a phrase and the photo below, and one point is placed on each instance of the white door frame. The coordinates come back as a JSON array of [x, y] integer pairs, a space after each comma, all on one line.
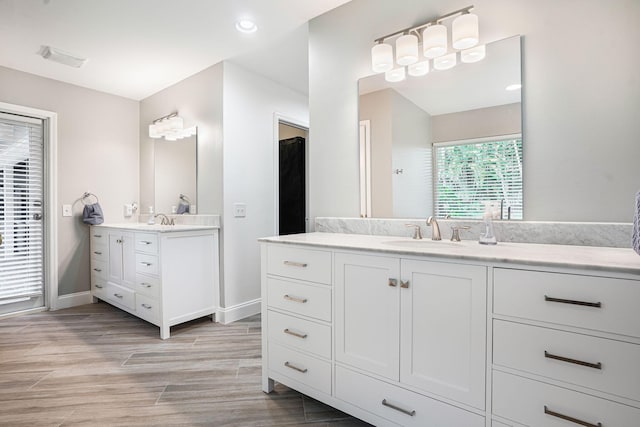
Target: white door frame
[[50, 196], [279, 118]]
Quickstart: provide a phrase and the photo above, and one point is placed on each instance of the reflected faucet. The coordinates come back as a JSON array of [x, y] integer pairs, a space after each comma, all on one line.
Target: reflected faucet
[[435, 228], [165, 219]]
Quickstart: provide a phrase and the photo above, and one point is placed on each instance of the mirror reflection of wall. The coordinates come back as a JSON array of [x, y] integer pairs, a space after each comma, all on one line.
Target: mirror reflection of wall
[[464, 105], [175, 173]]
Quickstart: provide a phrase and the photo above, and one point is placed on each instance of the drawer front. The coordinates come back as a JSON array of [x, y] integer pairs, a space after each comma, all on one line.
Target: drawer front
[[612, 303], [148, 308], [298, 263], [99, 269], [300, 334], [399, 405], [306, 369], [299, 298], [597, 363], [147, 264], [147, 285], [121, 295], [98, 287], [98, 237], [99, 253], [147, 243], [524, 401]]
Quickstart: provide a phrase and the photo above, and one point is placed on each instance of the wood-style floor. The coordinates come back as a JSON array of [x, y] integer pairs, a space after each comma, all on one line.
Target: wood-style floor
[[99, 366]]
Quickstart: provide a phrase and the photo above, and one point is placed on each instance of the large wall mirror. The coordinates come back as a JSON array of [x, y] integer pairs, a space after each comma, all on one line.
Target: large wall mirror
[[175, 174], [446, 142]]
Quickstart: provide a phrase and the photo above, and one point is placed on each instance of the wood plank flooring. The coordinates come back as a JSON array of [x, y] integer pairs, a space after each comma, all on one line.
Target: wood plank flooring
[[96, 365]]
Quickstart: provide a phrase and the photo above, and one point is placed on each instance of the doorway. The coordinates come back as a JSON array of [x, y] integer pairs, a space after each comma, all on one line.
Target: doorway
[[292, 180]]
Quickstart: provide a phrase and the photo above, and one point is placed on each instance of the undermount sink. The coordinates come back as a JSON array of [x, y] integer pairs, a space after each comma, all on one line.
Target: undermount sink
[[425, 243]]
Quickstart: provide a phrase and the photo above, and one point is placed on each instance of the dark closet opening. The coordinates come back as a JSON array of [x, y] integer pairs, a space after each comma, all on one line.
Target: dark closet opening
[[292, 205]]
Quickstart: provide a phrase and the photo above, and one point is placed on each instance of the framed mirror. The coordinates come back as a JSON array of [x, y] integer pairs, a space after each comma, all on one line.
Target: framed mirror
[[443, 143], [175, 174]]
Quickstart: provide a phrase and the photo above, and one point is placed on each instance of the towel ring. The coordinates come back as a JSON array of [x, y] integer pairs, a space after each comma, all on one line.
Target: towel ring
[[86, 195]]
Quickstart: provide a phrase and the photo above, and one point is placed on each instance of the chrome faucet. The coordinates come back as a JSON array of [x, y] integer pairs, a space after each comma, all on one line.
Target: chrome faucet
[[165, 219], [435, 228], [455, 232], [417, 233]]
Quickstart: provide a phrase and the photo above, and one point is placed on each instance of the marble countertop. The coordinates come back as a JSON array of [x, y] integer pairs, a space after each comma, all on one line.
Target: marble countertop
[[139, 226], [622, 260]]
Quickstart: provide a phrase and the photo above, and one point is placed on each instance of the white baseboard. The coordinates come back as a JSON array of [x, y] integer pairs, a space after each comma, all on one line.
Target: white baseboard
[[73, 300], [239, 311]]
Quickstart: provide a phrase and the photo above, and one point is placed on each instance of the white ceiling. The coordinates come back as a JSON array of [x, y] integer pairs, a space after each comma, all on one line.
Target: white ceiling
[[139, 47]]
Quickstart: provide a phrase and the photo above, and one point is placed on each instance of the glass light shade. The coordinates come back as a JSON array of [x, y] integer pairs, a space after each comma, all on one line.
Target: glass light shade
[[154, 131], [407, 49], [381, 58], [395, 75], [175, 122], [434, 41], [474, 54], [418, 69], [445, 62], [464, 31]]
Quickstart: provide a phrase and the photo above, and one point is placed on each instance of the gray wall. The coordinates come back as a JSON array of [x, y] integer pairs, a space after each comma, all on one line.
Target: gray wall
[[581, 98], [97, 152], [483, 122]]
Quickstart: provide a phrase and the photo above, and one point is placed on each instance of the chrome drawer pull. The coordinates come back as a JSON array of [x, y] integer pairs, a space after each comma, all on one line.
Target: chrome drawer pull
[[147, 264], [295, 299], [145, 242], [404, 285], [99, 286], [568, 418], [574, 302], [146, 285], [393, 282], [117, 295], [397, 408], [97, 269], [295, 368], [295, 334], [296, 264], [97, 235], [97, 252], [574, 361], [147, 306]]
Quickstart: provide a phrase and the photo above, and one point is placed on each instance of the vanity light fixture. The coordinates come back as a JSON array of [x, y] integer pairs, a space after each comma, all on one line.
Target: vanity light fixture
[[430, 39], [170, 127], [246, 26]]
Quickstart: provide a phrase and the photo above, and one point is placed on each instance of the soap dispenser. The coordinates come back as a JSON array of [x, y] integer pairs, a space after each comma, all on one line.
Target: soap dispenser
[[152, 219], [488, 237]]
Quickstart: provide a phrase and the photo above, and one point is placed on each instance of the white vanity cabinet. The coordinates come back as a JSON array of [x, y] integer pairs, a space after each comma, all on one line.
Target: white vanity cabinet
[[165, 277]]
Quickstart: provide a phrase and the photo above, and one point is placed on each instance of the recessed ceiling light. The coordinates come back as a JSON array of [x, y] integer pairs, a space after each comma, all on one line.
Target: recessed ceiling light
[[56, 55], [514, 86], [246, 26]]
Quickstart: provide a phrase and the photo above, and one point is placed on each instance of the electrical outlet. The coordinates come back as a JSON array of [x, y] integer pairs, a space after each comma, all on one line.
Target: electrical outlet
[[67, 210], [239, 210], [128, 210]]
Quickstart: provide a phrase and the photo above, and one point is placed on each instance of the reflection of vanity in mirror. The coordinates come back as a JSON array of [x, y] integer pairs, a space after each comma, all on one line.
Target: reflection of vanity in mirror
[[413, 132], [175, 174]]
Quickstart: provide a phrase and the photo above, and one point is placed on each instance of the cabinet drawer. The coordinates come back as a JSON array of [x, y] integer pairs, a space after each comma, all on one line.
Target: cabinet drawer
[[304, 264], [147, 242], [300, 334], [148, 308], [98, 237], [99, 253], [306, 369], [299, 298], [537, 350], [99, 269], [399, 405], [121, 295], [612, 303], [147, 264], [98, 287], [148, 285], [524, 401]]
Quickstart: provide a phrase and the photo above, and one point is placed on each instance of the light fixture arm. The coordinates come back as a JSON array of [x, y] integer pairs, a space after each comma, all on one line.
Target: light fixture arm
[[168, 116], [416, 29]]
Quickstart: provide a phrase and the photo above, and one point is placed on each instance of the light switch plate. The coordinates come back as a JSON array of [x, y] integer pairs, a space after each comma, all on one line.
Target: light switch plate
[[127, 210], [239, 210], [67, 210]]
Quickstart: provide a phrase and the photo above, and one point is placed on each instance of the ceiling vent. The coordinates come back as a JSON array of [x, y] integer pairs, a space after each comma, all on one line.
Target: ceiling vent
[[61, 57]]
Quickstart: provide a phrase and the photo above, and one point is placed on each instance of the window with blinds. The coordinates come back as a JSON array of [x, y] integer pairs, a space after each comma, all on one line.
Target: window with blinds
[[21, 196], [469, 173]]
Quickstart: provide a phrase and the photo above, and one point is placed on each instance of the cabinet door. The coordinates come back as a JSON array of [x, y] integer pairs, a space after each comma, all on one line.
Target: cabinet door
[[443, 329], [128, 260], [367, 312], [115, 258]]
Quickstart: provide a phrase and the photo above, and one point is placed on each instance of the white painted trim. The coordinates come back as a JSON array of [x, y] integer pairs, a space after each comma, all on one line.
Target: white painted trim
[[73, 300], [277, 119], [238, 311], [51, 196]]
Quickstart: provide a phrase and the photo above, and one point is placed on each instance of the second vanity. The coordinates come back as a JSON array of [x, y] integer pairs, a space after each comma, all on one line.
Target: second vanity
[[420, 333], [165, 275]]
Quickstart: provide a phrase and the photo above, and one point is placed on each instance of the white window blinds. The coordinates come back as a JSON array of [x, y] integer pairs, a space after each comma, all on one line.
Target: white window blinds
[[468, 174], [21, 196]]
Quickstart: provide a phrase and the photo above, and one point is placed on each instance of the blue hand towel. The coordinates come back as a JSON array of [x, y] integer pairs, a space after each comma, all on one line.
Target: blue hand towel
[[635, 238], [92, 214], [183, 208]]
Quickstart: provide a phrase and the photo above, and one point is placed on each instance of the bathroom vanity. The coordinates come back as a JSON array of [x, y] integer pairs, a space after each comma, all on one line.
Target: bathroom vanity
[[408, 332], [165, 275]]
